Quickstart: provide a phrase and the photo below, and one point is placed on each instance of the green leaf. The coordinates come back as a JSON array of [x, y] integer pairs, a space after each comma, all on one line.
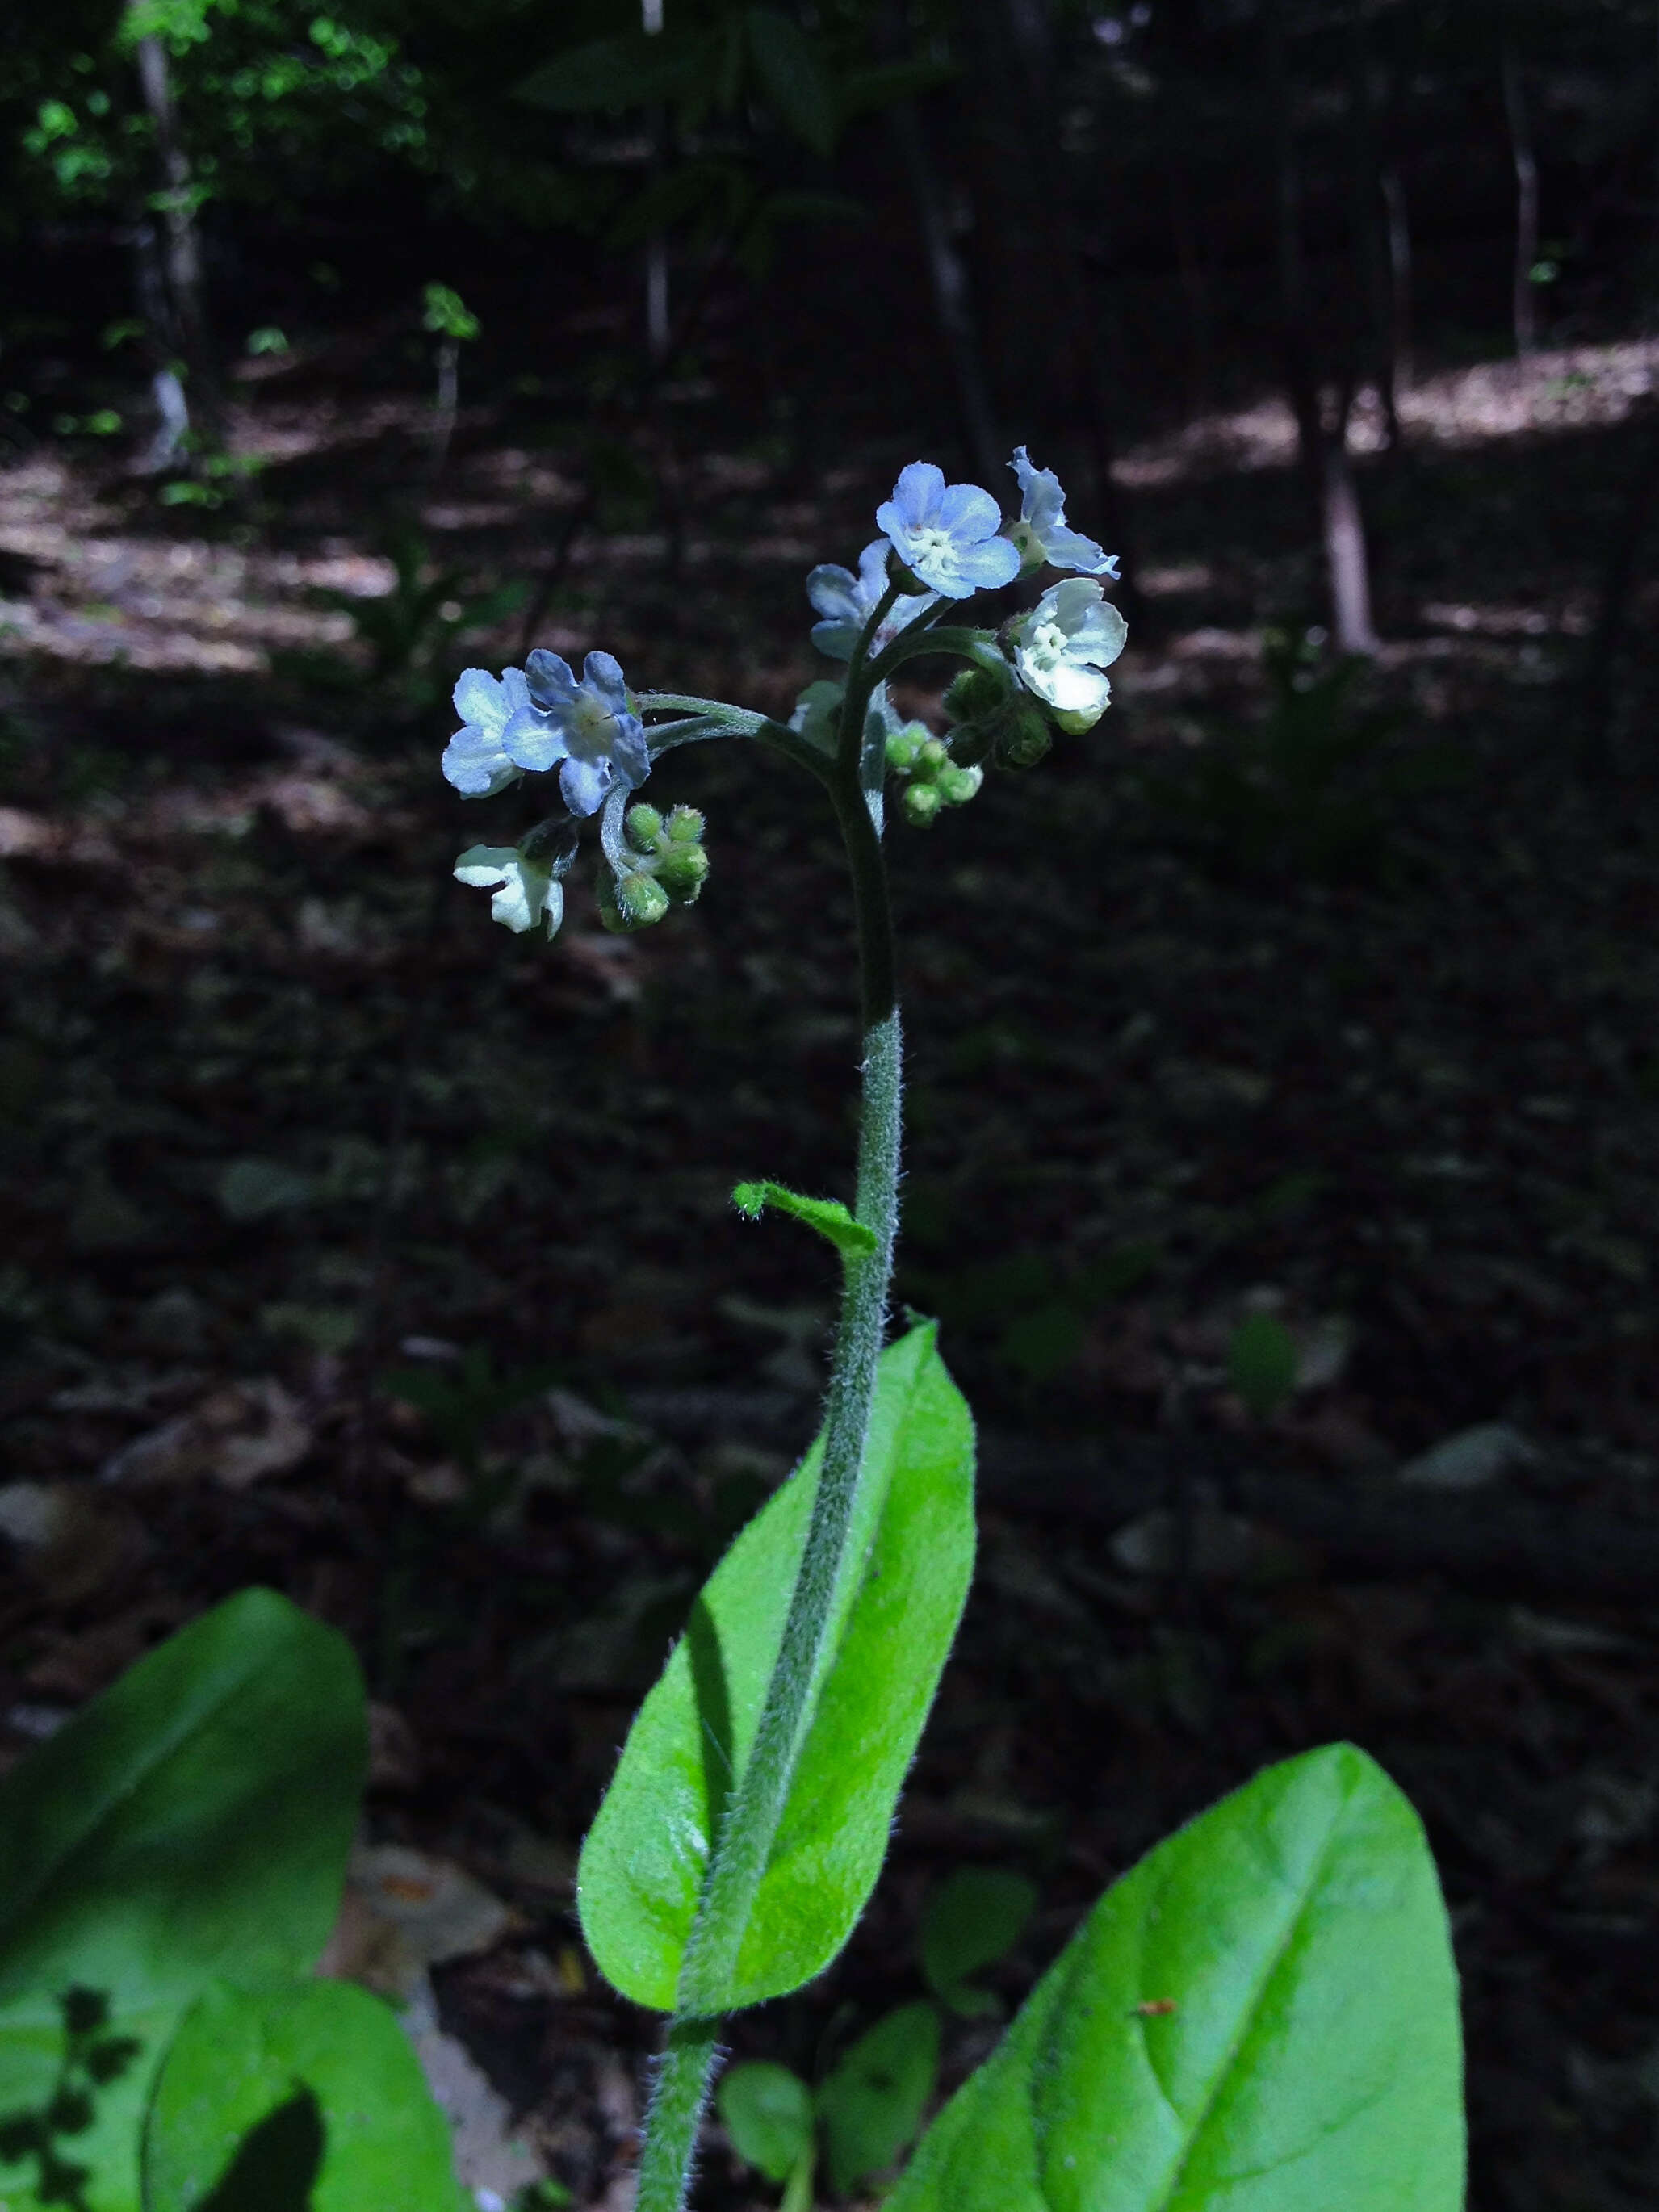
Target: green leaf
[[1261, 1363], [871, 2104], [634, 70], [910, 1552], [827, 1215], [768, 2112], [1260, 2017], [309, 2094], [192, 1821], [794, 78], [972, 1918]]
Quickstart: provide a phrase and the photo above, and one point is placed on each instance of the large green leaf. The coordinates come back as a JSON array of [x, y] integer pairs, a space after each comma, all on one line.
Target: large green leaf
[[788, 66], [309, 2095], [1260, 2017], [192, 1821], [910, 1553], [633, 70]]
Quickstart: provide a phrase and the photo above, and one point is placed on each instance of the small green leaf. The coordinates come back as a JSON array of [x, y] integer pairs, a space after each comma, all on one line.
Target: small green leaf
[[634, 70], [191, 1822], [1260, 2017], [974, 1917], [250, 1189], [827, 1215], [309, 2094], [794, 78], [1261, 1364], [871, 2104], [910, 1552], [768, 2112]]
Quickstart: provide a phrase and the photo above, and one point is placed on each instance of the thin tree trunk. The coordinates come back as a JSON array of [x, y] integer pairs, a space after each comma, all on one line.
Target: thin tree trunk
[[1370, 219], [448, 404], [1399, 278], [948, 275], [178, 249], [1526, 207], [1324, 453]]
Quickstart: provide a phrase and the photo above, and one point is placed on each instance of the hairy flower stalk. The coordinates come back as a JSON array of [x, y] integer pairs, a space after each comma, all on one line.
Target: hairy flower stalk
[[941, 542]]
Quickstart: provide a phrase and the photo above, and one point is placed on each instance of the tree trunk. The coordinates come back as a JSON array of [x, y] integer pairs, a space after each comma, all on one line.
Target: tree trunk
[[1526, 207], [1399, 278], [178, 294], [1324, 452], [1370, 221], [948, 275]]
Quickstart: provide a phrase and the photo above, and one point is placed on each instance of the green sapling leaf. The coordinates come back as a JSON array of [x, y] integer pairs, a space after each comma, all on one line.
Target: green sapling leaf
[[894, 1616], [193, 1820], [827, 1215], [1260, 2017], [972, 1919], [308, 2093], [870, 2103], [768, 2112], [1261, 1364]]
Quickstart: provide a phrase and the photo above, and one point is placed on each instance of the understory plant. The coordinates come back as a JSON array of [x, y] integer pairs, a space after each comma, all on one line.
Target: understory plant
[[1260, 2017]]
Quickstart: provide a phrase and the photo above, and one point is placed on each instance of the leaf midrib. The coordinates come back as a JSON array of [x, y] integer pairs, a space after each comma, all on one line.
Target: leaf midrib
[[1166, 2203], [17, 1906]]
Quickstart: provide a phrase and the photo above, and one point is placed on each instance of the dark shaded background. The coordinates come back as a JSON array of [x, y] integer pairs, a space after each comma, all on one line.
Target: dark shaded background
[[351, 1245]]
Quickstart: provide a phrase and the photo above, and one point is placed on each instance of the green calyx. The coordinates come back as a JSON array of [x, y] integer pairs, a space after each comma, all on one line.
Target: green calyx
[[995, 718], [630, 902]]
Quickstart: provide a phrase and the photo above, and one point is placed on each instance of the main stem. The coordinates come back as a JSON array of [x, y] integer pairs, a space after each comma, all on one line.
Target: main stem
[[744, 1845]]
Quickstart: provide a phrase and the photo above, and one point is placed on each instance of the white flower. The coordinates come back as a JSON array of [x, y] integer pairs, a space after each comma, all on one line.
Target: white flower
[[846, 602], [526, 891], [1062, 646], [1041, 534]]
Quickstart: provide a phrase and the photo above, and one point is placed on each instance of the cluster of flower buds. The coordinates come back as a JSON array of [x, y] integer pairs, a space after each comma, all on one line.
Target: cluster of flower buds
[[663, 864], [930, 778]]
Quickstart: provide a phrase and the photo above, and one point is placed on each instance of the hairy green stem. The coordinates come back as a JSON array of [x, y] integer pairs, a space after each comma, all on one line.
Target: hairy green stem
[[740, 1851]]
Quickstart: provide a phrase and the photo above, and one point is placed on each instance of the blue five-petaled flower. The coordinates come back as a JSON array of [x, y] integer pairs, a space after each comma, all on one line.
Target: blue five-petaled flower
[[540, 716], [591, 727], [1042, 533], [947, 534]]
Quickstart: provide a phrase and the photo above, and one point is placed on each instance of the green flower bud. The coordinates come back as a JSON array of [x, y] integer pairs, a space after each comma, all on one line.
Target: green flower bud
[[920, 802], [635, 902], [1076, 720], [644, 826], [931, 758], [684, 826], [1023, 738], [681, 872], [977, 694], [905, 745], [957, 786]]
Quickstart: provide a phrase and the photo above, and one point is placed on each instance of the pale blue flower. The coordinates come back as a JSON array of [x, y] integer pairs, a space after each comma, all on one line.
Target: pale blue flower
[[847, 602], [589, 727], [499, 735], [525, 891], [1062, 646], [1041, 534], [947, 534]]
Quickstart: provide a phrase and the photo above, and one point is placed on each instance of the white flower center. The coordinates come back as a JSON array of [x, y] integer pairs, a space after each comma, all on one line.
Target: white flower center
[[933, 545], [1047, 644], [592, 731]]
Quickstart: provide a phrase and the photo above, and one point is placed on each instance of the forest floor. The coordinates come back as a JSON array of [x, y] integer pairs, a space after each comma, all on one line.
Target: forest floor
[[355, 1247]]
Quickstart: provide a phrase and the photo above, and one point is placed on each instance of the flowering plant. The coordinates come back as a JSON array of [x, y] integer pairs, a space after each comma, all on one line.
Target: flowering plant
[[1264, 2012]]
